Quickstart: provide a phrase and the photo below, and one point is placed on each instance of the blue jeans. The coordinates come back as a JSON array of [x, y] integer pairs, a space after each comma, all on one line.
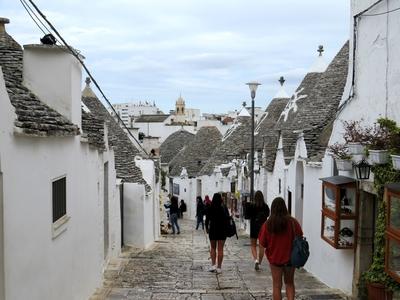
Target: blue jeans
[[174, 222], [200, 220]]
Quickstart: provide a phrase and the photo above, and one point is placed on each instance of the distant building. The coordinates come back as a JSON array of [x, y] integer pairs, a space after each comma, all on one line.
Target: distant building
[[129, 111]]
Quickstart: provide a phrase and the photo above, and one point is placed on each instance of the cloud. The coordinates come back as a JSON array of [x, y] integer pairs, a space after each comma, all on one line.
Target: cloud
[[153, 49]]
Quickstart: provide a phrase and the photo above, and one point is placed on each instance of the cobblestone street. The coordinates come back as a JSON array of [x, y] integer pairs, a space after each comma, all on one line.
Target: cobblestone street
[[175, 267]]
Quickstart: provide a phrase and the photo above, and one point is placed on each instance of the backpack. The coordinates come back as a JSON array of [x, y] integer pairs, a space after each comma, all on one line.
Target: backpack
[[300, 250], [231, 228]]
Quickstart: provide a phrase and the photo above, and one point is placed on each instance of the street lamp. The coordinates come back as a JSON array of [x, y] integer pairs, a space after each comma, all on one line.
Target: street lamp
[[253, 88]]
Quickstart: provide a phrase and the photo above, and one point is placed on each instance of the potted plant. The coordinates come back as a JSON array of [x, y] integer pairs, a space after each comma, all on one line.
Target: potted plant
[[379, 144], [342, 156], [356, 136]]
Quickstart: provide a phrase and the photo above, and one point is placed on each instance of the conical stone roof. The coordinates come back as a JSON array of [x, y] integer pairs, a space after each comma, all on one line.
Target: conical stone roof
[[173, 144], [195, 154], [124, 150], [235, 142]]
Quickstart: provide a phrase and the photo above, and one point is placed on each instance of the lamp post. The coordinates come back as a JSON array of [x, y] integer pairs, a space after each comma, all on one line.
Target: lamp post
[[253, 88]]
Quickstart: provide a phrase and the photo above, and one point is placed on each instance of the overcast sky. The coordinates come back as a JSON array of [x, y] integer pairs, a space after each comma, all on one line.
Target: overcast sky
[[205, 49]]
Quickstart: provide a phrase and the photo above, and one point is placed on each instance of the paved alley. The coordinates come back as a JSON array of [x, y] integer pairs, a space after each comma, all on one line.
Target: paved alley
[[175, 267]]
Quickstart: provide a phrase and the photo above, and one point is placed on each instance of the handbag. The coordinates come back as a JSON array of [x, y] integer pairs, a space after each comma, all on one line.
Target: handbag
[[300, 250], [231, 228]]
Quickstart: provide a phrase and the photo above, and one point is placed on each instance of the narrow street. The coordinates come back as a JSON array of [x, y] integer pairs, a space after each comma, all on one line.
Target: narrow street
[[175, 267]]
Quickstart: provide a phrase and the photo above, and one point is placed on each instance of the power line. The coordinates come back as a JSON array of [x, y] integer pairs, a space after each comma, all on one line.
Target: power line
[[33, 12], [383, 13], [76, 55], [23, 4]]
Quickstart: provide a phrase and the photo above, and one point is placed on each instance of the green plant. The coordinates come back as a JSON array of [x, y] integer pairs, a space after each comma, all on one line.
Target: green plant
[[383, 174], [383, 135], [163, 178], [339, 151]]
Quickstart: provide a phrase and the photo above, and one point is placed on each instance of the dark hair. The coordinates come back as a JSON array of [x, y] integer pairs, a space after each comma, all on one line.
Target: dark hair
[[174, 200], [216, 200], [278, 220], [198, 198], [259, 199]]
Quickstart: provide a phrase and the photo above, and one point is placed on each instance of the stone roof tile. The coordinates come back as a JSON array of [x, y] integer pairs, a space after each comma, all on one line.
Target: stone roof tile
[[236, 141], [33, 117], [151, 118], [93, 128], [173, 144], [124, 150], [313, 107], [195, 154]]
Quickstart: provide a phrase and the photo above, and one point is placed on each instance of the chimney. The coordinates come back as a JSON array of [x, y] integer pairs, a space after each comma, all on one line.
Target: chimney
[[55, 76], [3, 21]]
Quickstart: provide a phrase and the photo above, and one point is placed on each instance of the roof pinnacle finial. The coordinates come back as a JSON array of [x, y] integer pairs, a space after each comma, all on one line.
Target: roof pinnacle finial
[[320, 49], [88, 81], [3, 22], [244, 104], [282, 80]]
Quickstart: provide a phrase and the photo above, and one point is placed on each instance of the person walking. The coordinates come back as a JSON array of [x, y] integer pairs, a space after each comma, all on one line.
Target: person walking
[[200, 212], [258, 215], [173, 213], [182, 208], [276, 236], [216, 220]]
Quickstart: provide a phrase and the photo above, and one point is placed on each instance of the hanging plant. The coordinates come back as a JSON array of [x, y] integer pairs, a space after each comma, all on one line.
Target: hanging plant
[[376, 274]]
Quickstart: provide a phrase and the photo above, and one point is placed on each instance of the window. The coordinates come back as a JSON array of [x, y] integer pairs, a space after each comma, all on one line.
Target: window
[[59, 195], [392, 253], [339, 212], [280, 186]]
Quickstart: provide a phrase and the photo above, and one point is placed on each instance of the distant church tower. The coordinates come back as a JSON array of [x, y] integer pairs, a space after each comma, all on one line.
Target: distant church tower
[[180, 106]]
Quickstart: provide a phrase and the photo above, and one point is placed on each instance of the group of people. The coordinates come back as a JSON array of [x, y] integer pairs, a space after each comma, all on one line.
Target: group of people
[[275, 240], [174, 212]]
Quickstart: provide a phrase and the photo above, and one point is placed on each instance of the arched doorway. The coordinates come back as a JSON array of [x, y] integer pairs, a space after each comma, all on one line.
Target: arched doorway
[[299, 194]]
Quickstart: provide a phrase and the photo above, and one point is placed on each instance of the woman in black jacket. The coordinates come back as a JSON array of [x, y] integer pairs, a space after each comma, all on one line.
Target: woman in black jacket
[[216, 220], [173, 214], [259, 214]]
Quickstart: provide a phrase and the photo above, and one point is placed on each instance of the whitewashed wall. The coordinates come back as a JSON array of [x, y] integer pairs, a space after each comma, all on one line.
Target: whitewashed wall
[[279, 172], [161, 130], [148, 171], [337, 269], [67, 265], [377, 67], [187, 192], [138, 212]]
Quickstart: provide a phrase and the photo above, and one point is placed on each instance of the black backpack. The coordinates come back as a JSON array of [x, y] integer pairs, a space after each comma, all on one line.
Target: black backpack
[[230, 229]]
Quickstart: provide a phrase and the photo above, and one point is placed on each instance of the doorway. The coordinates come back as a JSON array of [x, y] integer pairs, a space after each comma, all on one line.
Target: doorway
[[198, 188], [365, 240], [2, 273], [299, 194], [106, 218], [289, 199]]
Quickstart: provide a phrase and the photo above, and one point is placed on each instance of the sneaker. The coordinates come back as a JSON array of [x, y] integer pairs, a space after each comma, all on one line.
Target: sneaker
[[212, 269], [256, 265], [178, 232], [218, 270]]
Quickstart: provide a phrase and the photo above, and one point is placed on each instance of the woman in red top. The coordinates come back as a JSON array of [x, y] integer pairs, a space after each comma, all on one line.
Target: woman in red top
[[277, 238]]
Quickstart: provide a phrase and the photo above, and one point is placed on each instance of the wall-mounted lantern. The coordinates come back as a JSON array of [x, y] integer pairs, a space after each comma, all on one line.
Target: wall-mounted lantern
[[363, 169]]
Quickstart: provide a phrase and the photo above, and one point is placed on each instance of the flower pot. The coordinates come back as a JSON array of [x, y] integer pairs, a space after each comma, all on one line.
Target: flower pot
[[396, 161], [344, 164], [378, 157], [356, 148], [377, 291]]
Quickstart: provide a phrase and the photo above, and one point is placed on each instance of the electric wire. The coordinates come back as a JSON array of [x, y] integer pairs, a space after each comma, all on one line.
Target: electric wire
[[37, 18], [77, 56], [383, 13], [23, 4]]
